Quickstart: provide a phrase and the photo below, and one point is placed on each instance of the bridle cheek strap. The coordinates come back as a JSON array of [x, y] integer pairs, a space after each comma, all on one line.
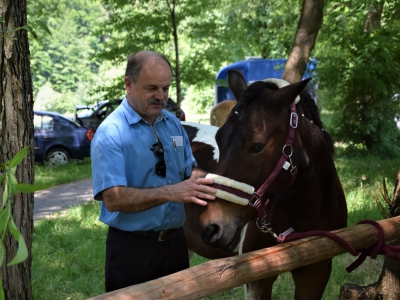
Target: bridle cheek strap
[[285, 161], [264, 212]]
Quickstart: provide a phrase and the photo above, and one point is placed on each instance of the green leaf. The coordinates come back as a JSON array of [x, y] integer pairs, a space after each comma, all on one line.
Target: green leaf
[[27, 27], [2, 251], [12, 181], [4, 216], [44, 26], [17, 159], [34, 34], [22, 252], [5, 194], [13, 169], [2, 20], [30, 188], [2, 296]]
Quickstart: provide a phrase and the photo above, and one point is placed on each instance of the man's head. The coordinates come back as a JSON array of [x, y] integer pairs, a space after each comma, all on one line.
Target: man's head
[[147, 80]]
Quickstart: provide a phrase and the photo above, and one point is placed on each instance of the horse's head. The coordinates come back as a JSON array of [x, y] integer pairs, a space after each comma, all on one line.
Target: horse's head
[[251, 143]]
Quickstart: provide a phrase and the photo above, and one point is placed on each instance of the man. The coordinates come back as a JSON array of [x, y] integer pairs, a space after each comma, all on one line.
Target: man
[[142, 171]]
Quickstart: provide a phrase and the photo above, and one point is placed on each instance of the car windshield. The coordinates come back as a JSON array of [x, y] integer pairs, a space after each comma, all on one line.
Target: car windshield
[[85, 112]]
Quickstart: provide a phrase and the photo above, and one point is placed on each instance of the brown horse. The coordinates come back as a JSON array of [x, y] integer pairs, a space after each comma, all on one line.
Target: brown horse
[[268, 136], [220, 112]]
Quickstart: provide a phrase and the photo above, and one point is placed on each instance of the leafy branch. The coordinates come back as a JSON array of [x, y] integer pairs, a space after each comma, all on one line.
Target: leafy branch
[[12, 187], [30, 27]]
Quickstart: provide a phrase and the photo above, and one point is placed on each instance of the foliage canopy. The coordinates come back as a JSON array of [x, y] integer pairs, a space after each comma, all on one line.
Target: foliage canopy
[[361, 69], [358, 66]]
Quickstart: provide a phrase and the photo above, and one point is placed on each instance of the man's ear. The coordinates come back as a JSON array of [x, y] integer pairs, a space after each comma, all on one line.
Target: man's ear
[[128, 84]]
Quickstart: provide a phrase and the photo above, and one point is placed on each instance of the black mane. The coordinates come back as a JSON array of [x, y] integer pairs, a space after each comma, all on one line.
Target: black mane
[[310, 109], [253, 92]]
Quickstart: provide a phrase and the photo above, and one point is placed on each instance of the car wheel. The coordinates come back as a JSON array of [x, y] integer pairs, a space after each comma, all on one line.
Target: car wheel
[[57, 157]]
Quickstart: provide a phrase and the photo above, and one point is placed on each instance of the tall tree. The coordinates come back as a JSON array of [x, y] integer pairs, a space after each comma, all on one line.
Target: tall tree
[[258, 28], [16, 132], [132, 26], [358, 68], [306, 34], [65, 62]]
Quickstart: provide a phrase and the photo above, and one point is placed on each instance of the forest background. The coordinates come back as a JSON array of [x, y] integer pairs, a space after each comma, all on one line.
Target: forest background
[[83, 59], [358, 72]]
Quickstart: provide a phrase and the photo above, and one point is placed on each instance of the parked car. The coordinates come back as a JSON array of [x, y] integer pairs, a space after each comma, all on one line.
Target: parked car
[[59, 139], [91, 116]]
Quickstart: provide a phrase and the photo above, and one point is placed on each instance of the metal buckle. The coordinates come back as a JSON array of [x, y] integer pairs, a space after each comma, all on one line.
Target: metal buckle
[[264, 227], [291, 150], [294, 119], [257, 201], [161, 235]]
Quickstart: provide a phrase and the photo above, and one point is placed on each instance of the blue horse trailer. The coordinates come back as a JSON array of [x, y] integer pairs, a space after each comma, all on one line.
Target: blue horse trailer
[[253, 69]]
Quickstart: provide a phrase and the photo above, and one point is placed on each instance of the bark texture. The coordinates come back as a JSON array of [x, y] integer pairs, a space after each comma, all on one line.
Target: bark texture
[[310, 23], [16, 132]]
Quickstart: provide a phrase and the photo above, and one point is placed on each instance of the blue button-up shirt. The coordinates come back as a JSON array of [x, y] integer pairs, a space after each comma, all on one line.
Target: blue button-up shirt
[[121, 156]]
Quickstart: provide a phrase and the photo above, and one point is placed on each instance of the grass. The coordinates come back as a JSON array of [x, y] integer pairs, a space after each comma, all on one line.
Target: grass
[[74, 171], [68, 251]]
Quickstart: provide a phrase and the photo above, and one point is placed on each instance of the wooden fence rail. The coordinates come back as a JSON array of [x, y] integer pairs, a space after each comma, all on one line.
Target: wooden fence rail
[[224, 274]]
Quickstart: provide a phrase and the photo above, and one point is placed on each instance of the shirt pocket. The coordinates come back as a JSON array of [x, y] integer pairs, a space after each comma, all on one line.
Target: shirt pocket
[[177, 142], [179, 153]]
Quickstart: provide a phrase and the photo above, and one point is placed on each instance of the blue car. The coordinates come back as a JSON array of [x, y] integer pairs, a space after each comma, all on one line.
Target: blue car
[[59, 139]]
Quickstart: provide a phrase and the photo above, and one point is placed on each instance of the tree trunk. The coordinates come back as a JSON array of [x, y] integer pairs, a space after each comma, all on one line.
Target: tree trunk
[[16, 132], [388, 284], [374, 17], [306, 34], [171, 6], [372, 22]]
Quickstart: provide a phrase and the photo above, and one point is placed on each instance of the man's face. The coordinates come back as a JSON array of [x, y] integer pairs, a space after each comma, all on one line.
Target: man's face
[[149, 94]]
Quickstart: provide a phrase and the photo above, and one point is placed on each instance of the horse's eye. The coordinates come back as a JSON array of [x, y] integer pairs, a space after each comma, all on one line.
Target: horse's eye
[[256, 148]]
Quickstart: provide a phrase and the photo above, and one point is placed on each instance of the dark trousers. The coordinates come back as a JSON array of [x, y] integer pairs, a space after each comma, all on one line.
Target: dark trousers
[[133, 258]]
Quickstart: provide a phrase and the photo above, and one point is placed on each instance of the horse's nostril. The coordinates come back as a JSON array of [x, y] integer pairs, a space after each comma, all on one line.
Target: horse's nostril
[[211, 233]]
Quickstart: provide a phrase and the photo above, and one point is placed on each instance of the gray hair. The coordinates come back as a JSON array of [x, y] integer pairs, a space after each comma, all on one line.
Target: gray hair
[[136, 60]]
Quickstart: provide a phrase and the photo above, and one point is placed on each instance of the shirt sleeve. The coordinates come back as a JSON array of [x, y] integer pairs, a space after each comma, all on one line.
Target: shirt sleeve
[[108, 161]]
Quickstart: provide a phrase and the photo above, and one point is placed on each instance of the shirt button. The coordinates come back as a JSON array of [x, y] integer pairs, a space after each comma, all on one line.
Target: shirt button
[[169, 181]]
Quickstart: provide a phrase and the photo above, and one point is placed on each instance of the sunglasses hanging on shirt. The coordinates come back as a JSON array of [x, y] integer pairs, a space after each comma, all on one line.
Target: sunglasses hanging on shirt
[[158, 149]]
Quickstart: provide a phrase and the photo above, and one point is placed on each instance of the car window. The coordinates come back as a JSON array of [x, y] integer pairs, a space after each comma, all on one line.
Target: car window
[[62, 125], [43, 123], [86, 112], [107, 109]]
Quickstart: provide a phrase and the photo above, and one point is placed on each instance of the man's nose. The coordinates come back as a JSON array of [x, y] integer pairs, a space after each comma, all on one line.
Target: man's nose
[[159, 95]]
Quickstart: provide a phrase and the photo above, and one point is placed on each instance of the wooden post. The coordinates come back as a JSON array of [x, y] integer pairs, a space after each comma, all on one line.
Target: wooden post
[[224, 274]]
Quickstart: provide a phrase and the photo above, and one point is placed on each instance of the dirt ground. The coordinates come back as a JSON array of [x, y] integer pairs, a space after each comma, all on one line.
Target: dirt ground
[[60, 198]]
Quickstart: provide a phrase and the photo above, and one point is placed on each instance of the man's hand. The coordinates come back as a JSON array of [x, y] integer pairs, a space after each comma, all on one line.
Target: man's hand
[[195, 190]]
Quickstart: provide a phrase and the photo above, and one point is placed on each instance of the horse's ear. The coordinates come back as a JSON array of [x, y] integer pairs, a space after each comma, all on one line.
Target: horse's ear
[[236, 83], [290, 92]]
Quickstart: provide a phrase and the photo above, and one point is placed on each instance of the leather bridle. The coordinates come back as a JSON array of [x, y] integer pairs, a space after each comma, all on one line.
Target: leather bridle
[[264, 211]]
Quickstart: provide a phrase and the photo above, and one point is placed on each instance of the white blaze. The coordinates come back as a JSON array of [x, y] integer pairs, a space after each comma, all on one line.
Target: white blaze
[[206, 135]]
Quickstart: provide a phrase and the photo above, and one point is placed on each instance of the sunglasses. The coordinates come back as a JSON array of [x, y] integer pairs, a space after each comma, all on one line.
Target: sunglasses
[[161, 168]]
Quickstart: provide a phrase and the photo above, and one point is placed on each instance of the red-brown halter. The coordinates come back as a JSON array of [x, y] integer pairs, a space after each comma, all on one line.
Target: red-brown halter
[[264, 211]]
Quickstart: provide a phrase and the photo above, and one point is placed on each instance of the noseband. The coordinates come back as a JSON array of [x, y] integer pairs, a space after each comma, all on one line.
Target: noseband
[[243, 194]]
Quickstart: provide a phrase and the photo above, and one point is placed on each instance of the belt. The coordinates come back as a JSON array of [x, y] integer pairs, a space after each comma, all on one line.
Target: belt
[[161, 236]]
